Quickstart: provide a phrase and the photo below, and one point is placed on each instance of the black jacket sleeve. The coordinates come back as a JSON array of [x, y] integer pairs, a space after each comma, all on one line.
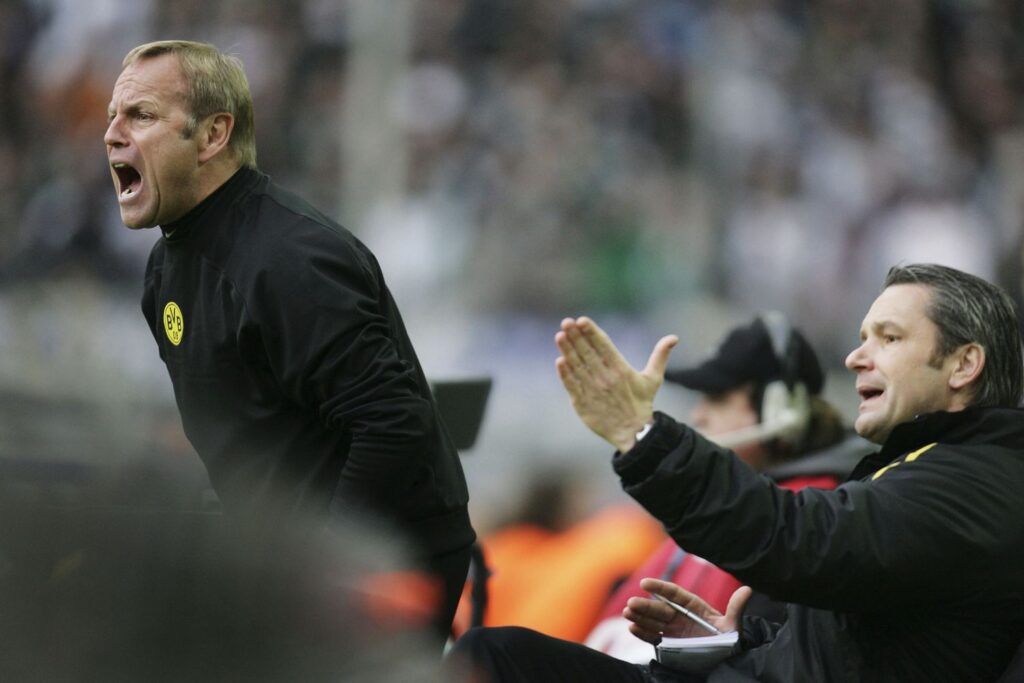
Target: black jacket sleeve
[[868, 545], [335, 346]]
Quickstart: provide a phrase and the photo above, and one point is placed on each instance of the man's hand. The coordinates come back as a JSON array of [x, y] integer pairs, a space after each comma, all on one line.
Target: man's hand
[[653, 619], [611, 398]]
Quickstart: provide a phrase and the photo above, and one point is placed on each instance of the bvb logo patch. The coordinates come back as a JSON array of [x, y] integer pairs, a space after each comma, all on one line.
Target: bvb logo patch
[[174, 323]]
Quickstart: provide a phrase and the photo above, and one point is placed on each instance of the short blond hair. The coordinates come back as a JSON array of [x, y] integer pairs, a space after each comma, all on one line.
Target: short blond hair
[[216, 83]]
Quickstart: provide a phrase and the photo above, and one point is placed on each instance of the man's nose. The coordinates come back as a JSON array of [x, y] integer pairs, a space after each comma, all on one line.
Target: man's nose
[[857, 358], [113, 136]]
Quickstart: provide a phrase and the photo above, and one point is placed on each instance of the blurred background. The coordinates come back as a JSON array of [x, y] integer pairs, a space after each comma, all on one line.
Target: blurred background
[[665, 166]]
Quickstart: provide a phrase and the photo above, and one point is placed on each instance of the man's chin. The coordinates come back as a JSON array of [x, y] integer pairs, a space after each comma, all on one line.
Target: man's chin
[[870, 429], [135, 222]]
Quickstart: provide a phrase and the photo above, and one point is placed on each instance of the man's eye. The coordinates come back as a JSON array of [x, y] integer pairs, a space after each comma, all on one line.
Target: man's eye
[[890, 338]]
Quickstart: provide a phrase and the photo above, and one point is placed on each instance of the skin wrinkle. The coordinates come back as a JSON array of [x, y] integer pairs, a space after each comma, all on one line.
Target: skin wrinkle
[[146, 130], [898, 341]]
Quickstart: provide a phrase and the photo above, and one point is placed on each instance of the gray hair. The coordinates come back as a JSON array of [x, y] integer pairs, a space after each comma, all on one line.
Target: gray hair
[[968, 309], [216, 83]]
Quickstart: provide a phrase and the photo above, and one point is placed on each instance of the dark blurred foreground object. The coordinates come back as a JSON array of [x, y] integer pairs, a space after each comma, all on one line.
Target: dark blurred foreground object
[[127, 595], [462, 404]]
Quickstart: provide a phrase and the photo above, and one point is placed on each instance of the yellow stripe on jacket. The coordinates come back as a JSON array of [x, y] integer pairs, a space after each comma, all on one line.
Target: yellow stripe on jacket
[[910, 457]]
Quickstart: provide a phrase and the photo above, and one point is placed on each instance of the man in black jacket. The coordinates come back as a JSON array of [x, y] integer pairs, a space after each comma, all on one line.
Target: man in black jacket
[[296, 381], [913, 570]]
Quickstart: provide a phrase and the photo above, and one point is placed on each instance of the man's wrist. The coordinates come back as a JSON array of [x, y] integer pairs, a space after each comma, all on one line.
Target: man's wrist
[[643, 431], [634, 438]]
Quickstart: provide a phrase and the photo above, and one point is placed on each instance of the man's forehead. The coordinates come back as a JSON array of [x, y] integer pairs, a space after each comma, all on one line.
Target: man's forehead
[[156, 78], [899, 304]]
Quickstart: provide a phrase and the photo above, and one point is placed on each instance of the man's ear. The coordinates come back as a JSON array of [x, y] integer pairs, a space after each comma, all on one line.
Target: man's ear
[[214, 134], [969, 361]]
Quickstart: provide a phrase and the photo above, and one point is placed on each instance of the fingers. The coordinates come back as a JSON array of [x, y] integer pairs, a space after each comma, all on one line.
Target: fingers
[[658, 361], [576, 375], [583, 342], [572, 359], [609, 396], [653, 616], [650, 636], [577, 354], [737, 605], [579, 345], [648, 616], [678, 595], [569, 380], [578, 349], [572, 369], [597, 339]]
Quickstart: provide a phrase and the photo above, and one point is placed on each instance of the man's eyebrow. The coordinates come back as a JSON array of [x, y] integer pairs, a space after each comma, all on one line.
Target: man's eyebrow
[[132, 107], [880, 325]]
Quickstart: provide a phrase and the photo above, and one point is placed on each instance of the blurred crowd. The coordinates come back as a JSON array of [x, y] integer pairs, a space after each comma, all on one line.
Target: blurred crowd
[[663, 165], [666, 165], [555, 155]]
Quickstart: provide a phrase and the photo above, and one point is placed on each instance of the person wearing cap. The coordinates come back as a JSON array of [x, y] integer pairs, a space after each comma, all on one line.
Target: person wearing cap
[[737, 383], [909, 571], [733, 383]]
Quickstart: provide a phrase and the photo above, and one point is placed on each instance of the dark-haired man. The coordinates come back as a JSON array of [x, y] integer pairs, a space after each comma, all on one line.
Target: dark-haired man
[[760, 395], [910, 571]]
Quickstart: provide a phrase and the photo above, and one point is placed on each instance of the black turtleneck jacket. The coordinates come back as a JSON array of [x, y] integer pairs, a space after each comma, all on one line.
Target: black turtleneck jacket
[[296, 381], [913, 570]]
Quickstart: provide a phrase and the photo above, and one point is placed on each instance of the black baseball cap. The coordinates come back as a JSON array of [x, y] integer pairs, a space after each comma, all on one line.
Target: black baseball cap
[[747, 355]]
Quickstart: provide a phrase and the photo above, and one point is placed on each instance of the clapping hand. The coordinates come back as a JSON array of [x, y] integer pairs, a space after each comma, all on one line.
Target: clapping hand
[[614, 400]]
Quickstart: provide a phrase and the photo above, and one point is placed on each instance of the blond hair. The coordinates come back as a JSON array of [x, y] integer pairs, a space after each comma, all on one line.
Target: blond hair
[[216, 83]]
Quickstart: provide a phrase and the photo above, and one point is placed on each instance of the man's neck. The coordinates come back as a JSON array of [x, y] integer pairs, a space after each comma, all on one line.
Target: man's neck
[[179, 227], [214, 174]]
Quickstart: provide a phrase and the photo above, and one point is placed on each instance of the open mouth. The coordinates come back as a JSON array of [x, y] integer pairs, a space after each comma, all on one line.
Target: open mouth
[[129, 180], [868, 393]]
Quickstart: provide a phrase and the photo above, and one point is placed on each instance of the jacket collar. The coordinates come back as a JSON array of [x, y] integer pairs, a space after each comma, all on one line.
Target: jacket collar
[[994, 423], [179, 230]]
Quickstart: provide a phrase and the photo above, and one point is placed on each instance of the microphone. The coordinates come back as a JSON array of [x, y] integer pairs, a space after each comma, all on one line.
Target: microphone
[[784, 414]]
